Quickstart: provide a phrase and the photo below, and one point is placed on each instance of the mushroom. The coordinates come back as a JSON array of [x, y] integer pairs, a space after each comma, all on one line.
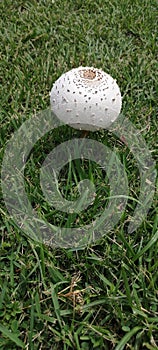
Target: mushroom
[[86, 98]]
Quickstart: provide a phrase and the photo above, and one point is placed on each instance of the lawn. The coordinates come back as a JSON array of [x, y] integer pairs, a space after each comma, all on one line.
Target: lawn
[[102, 294]]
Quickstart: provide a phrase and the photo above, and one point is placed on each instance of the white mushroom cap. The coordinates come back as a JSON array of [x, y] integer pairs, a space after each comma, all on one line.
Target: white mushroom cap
[[86, 98]]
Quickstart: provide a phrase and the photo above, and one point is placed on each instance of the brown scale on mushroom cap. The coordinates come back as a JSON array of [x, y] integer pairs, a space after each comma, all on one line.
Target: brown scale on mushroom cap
[[88, 74]]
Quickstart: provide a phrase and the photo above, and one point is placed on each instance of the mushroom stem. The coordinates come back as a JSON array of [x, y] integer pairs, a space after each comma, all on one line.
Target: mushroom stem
[[84, 133]]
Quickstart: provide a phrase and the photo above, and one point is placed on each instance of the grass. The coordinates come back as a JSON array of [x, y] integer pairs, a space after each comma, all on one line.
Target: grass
[[103, 296]]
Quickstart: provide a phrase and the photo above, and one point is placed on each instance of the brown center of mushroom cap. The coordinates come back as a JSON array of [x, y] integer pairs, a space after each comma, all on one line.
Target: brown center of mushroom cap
[[88, 74]]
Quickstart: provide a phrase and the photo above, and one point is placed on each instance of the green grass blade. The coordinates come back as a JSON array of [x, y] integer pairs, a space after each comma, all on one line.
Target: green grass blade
[[126, 338], [56, 305], [127, 287], [148, 246], [12, 336]]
